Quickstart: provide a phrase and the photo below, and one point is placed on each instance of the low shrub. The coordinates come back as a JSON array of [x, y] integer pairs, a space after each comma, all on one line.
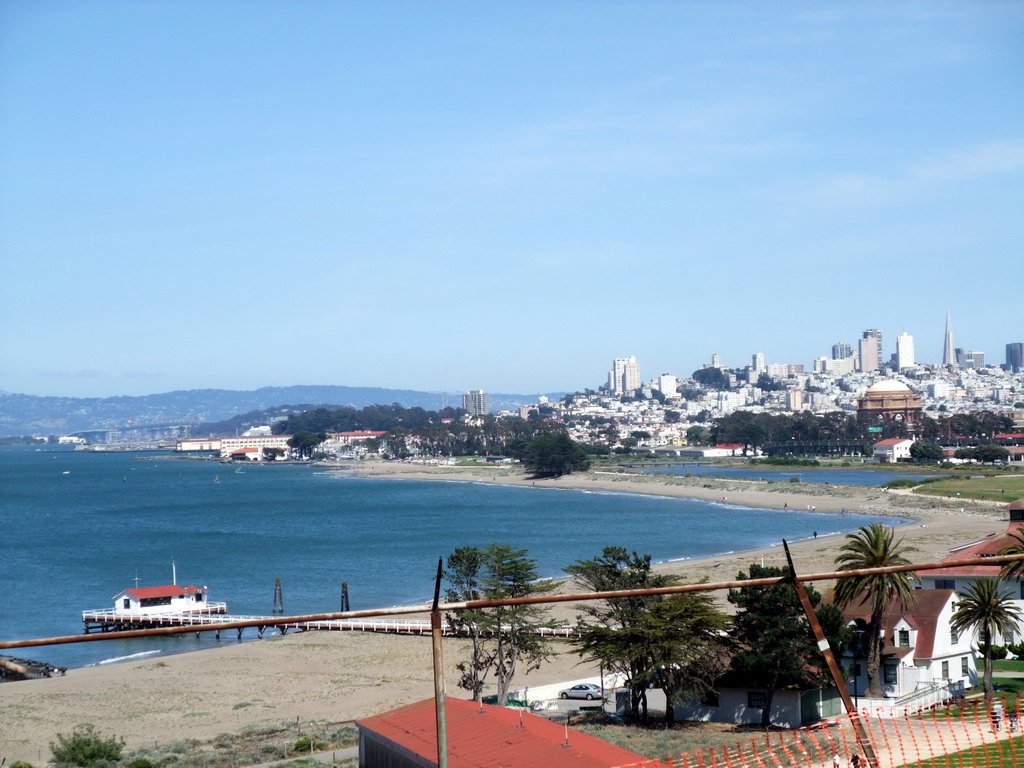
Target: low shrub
[[308, 744], [85, 747]]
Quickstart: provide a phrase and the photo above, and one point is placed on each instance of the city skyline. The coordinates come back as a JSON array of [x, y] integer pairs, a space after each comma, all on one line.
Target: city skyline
[[238, 195]]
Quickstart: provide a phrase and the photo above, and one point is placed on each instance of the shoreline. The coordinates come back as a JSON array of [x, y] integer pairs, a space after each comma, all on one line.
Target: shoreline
[[343, 676]]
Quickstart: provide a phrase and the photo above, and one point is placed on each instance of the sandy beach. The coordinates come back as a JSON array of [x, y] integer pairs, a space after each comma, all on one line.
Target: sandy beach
[[337, 677]]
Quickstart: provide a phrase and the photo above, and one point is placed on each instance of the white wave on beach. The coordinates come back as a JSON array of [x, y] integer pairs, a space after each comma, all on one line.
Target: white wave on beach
[[118, 659]]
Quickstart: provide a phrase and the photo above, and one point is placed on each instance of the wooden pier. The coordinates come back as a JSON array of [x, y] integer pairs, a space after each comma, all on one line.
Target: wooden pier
[[109, 621]]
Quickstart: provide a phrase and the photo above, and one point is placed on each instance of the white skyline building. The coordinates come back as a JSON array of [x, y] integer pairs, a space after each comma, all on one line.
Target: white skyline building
[[948, 349], [624, 377], [757, 362], [474, 402], [904, 351]]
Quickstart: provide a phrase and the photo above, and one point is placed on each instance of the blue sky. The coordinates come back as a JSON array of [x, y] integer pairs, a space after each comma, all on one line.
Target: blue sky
[[453, 195]]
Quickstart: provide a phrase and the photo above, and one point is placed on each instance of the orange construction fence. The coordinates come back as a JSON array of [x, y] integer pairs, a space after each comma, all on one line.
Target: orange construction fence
[[969, 733]]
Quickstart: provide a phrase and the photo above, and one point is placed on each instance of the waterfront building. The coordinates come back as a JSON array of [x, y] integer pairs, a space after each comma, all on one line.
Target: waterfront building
[[904, 351], [474, 402], [253, 446]]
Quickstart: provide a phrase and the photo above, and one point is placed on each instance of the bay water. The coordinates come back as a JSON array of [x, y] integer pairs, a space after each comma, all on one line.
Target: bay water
[[76, 528]]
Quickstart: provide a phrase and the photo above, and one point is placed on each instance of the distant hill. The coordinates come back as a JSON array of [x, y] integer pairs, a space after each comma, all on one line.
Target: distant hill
[[43, 416]]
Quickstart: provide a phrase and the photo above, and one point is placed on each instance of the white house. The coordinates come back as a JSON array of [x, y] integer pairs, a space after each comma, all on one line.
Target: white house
[[169, 598], [962, 577], [924, 661], [791, 707], [892, 450]]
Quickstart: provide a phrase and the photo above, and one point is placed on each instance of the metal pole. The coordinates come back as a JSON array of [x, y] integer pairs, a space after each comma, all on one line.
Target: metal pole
[[830, 661], [435, 636], [289, 621]]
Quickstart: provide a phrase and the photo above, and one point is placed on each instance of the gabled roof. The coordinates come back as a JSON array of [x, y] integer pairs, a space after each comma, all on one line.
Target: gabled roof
[[167, 590], [480, 735], [893, 441], [984, 548], [923, 616]]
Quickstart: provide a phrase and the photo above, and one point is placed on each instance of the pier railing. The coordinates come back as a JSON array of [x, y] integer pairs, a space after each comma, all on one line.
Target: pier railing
[[192, 619], [106, 614]]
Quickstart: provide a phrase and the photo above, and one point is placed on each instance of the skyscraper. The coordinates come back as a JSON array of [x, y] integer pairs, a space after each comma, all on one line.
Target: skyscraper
[[970, 358], [841, 350], [870, 348], [948, 350], [474, 402], [1015, 357], [757, 362], [904, 351], [624, 377]]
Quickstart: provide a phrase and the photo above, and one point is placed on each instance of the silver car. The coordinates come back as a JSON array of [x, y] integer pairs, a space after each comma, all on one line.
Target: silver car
[[587, 691]]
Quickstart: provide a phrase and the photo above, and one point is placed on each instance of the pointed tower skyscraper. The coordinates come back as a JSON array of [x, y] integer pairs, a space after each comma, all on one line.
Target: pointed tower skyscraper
[[948, 350]]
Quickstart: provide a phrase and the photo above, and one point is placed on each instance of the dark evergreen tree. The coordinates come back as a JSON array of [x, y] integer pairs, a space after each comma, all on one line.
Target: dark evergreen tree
[[775, 645], [650, 639], [505, 636], [556, 454]]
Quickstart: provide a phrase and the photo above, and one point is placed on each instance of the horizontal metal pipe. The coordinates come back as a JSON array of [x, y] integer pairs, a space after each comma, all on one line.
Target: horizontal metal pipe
[[287, 621]]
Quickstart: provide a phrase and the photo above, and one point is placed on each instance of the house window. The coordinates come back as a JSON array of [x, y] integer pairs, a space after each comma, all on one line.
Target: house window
[[945, 584], [945, 670], [904, 641], [954, 636], [127, 603], [965, 668], [756, 699], [710, 699], [890, 674]]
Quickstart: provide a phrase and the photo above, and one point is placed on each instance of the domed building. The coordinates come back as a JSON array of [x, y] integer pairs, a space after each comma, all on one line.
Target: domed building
[[889, 400]]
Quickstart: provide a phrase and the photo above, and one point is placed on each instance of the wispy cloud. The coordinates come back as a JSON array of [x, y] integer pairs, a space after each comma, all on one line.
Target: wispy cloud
[[930, 176]]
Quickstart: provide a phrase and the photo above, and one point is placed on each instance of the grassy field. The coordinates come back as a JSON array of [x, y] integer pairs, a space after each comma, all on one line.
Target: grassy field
[[993, 487], [1008, 753]]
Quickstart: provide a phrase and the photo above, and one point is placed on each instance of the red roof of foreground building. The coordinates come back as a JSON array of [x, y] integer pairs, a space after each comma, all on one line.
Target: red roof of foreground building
[[922, 615], [480, 735], [984, 548]]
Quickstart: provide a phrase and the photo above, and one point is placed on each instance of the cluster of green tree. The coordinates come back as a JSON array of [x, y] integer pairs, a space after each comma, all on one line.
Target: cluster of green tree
[[378, 418], [711, 378], [681, 642], [786, 461], [754, 430], [983, 453], [502, 639], [555, 453]]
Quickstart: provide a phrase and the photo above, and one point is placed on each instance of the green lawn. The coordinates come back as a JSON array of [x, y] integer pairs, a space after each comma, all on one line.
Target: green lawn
[[994, 487], [1008, 753]]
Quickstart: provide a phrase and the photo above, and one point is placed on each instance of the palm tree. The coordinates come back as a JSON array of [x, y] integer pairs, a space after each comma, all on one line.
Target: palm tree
[[1014, 570], [873, 547], [985, 606]]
